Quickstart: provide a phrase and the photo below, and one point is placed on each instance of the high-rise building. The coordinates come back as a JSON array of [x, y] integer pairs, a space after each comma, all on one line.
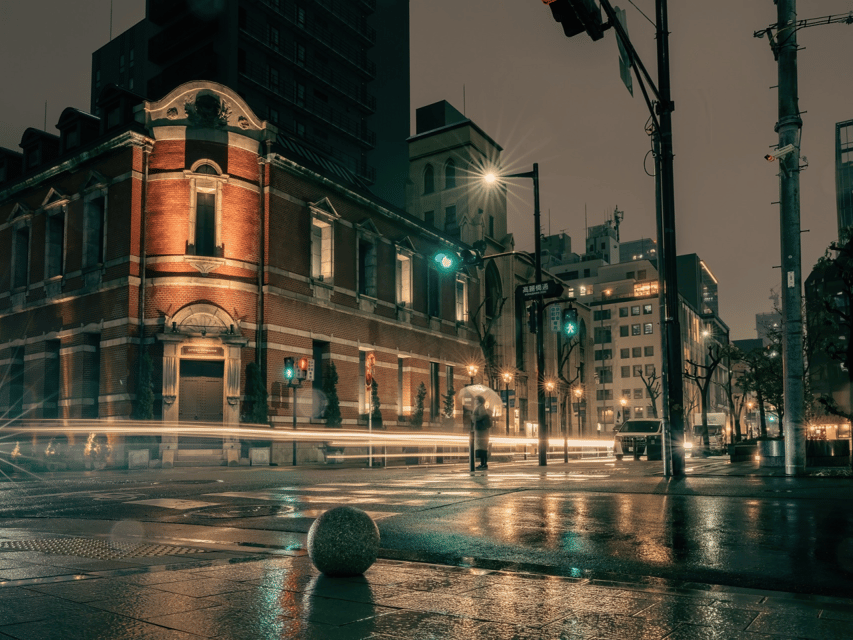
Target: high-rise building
[[333, 75], [844, 174]]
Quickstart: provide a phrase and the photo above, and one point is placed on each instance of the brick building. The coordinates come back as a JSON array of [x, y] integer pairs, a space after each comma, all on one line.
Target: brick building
[[146, 226]]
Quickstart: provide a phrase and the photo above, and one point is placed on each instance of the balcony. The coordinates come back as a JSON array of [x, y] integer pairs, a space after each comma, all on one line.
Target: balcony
[[352, 20], [259, 74], [339, 82], [178, 39], [356, 57]]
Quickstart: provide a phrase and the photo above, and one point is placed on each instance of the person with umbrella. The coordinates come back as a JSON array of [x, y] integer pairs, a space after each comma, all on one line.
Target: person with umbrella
[[482, 422]]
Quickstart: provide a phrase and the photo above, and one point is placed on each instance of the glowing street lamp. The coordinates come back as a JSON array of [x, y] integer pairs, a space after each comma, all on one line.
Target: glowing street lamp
[[550, 387], [578, 394], [507, 377], [472, 371]]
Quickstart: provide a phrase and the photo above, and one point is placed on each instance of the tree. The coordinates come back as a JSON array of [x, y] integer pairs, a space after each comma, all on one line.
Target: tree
[[333, 404], [653, 391], [484, 326], [417, 418], [375, 404], [449, 400], [145, 388], [831, 319], [564, 353], [256, 394], [701, 375]]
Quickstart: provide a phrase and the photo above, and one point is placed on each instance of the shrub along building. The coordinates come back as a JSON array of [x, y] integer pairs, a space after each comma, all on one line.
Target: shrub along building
[[190, 228]]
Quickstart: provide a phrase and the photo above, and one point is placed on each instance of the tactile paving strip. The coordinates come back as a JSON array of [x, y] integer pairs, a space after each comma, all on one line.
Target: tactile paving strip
[[97, 548]]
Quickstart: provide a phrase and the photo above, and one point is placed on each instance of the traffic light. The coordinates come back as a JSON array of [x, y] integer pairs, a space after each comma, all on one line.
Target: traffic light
[[289, 369], [302, 368], [570, 323], [450, 261], [577, 16], [531, 318]]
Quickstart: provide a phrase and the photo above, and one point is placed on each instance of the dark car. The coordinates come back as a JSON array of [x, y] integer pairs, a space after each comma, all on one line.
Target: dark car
[[638, 437]]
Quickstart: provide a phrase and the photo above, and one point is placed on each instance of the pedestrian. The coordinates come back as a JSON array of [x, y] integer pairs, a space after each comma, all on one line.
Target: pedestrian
[[482, 422]]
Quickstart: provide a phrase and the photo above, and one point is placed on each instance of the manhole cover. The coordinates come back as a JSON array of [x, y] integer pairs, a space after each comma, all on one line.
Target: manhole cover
[[97, 548], [251, 511]]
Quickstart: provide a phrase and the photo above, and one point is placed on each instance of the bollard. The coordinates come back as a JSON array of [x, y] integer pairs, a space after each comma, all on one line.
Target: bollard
[[343, 541], [471, 450]]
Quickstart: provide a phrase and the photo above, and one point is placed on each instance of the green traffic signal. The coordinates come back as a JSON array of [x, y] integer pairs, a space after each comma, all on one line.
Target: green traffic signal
[[289, 369], [570, 322], [447, 261]]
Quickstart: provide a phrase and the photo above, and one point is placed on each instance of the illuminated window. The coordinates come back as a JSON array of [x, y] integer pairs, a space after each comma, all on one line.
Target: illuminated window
[[635, 329], [321, 249], [461, 300], [646, 289], [648, 328], [647, 309], [635, 310], [404, 278], [204, 236]]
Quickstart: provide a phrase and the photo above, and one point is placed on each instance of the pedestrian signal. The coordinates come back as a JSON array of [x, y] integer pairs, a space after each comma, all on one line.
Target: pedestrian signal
[[302, 368], [289, 369], [570, 322]]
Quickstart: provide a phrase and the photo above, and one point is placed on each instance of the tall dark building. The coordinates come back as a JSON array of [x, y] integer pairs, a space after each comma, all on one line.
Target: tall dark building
[[844, 174], [333, 74]]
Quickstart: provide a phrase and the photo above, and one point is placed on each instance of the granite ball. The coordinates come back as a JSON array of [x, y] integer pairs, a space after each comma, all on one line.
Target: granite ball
[[344, 541]]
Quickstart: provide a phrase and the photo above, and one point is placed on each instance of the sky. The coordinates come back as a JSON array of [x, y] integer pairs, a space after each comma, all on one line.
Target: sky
[[560, 102]]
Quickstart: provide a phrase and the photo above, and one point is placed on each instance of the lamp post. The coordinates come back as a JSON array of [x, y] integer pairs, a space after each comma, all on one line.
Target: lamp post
[[550, 387], [472, 371], [578, 394], [507, 376], [537, 307], [624, 403]]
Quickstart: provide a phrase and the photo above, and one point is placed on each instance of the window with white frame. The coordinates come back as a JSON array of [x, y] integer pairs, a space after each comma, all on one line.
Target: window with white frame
[[461, 300], [321, 249], [367, 266], [94, 214], [404, 279], [204, 234], [21, 256]]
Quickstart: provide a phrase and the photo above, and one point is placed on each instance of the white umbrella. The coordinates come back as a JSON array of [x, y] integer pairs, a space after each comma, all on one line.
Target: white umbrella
[[493, 402]]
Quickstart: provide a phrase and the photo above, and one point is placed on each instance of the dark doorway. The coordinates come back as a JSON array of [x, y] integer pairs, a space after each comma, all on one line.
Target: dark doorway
[[201, 397]]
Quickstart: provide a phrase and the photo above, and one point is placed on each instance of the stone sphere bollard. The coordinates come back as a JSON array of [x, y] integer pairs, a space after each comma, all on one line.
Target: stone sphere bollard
[[344, 541]]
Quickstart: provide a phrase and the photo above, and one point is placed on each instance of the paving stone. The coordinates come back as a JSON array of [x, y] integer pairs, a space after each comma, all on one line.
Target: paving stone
[[32, 608], [698, 632], [724, 617], [151, 603], [88, 590], [202, 587], [92, 625], [801, 626], [34, 571], [587, 624]]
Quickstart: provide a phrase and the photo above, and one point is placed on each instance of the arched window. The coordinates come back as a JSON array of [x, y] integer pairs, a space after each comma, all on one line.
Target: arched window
[[450, 175], [429, 179], [494, 290], [206, 203]]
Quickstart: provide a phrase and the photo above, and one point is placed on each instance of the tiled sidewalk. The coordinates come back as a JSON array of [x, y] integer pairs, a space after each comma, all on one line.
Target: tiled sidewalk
[[156, 591]]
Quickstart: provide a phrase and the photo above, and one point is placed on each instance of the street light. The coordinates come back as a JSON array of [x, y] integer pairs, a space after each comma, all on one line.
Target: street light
[[578, 394], [472, 371], [507, 376], [624, 403], [537, 304], [550, 387]]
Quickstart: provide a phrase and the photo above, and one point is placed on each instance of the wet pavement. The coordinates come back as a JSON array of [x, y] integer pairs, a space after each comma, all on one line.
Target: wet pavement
[[91, 586], [228, 560]]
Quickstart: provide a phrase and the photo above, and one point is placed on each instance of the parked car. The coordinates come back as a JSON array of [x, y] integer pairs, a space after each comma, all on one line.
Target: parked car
[[638, 437]]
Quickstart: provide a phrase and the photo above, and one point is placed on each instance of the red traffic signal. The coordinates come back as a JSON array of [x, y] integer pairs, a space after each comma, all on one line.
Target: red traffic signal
[[302, 368], [577, 16]]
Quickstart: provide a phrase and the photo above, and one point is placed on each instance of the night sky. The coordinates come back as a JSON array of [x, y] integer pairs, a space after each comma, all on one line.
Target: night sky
[[560, 102]]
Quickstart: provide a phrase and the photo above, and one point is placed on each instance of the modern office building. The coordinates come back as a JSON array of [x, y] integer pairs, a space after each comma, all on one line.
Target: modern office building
[[844, 174], [332, 74]]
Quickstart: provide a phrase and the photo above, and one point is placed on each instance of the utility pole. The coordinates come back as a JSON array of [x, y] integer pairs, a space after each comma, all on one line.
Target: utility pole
[[788, 127], [672, 326]]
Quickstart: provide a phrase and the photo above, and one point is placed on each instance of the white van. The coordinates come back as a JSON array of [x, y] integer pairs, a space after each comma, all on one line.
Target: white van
[[638, 437]]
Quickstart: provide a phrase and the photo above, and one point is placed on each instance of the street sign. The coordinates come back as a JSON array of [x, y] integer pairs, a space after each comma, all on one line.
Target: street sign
[[624, 58], [547, 289], [556, 318]]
